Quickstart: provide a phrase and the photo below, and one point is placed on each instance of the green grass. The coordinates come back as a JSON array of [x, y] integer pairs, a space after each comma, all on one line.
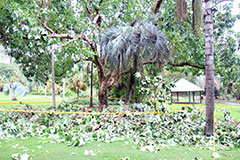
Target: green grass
[[236, 101], [116, 150], [234, 109], [27, 98], [42, 150], [219, 107]]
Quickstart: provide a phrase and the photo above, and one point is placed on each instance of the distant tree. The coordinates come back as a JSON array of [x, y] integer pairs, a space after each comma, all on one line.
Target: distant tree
[[15, 89], [11, 73]]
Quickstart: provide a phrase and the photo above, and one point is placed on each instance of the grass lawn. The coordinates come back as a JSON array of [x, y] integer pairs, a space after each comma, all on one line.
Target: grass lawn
[[219, 107], [234, 109], [237, 101], [28, 98], [42, 150]]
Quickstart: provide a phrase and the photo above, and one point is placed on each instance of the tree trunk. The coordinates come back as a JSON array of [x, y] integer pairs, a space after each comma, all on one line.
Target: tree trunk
[[46, 91], [132, 80], [77, 87], [64, 87], [238, 97], [53, 82], [11, 60], [77, 93], [236, 94], [209, 67], [14, 98], [131, 88], [91, 88], [103, 98], [106, 83]]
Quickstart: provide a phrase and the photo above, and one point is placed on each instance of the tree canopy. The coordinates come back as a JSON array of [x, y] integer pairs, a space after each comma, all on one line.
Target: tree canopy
[[29, 30]]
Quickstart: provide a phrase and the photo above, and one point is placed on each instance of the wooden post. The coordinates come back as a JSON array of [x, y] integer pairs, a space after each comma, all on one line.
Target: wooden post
[[193, 97], [200, 93], [189, 96], [91, 89], [53, 81], [177, 97]]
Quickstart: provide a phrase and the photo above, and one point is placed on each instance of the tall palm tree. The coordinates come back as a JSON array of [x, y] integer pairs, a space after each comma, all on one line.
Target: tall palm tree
[[209, 67], [133, 46]]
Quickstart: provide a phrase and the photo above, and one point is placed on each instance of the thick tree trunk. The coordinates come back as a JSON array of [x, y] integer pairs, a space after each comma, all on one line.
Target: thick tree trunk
[[131, 88], [106, 83], [53, 82], [209, 67], [103, 98], [105, 87]]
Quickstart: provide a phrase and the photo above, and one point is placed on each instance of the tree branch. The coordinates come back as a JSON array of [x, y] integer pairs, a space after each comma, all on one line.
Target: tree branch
[[65, 44], [44, 23], [185, 64], [99, 18], [175, 64], [98, 62], [61, 74], [48, 3], [157, 7], [149, 62], [126, 71], [70, 36]]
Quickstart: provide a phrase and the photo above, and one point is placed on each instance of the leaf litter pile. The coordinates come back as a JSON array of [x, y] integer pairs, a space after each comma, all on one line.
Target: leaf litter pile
[[148, 131]]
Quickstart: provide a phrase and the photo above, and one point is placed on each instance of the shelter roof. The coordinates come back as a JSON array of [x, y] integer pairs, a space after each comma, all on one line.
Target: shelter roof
[[185, 86]]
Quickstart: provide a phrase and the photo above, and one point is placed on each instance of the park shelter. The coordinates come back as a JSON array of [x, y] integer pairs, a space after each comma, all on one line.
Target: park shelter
[[184, 88]]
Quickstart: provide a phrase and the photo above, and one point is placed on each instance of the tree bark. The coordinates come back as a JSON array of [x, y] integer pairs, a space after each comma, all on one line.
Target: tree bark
[[104, 88], [209, 67], [53, 82], [103, 98], [157, 7], [236, 94], [91, 88], [106, 83], [237, 97], [64, 87], [132, 80], [131, 88]]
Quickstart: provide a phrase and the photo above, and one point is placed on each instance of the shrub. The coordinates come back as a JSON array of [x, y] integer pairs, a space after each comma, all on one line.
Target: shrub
[[41, 93], [69, 93]]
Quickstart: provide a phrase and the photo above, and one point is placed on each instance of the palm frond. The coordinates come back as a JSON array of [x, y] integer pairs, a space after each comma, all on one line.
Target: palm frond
[[119, 45], [15, 89]]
